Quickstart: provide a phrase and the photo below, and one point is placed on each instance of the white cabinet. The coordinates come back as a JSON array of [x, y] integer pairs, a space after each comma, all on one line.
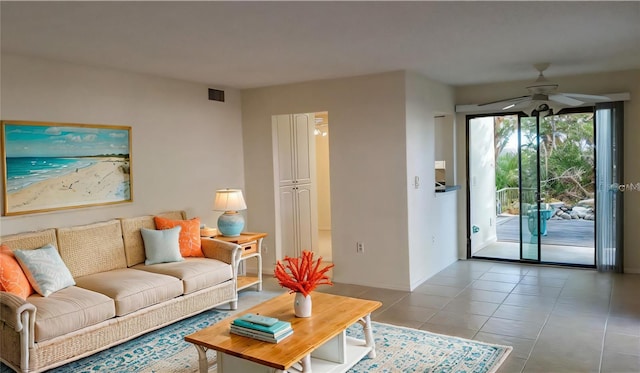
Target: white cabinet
[[298, 219], [296, 148], [294, 163]]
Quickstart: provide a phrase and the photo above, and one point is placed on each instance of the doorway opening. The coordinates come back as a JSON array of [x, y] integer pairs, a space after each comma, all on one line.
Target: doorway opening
[[321, 134], [532, 188]]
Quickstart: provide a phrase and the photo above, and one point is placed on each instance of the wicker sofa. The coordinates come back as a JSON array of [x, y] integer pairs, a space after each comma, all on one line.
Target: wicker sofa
[[116, 297]]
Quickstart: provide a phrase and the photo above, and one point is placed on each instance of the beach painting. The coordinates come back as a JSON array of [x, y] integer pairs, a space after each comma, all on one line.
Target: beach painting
[[52, 166]]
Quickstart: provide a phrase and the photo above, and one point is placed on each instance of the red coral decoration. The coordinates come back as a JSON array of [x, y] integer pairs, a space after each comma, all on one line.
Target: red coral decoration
[[302, 274]]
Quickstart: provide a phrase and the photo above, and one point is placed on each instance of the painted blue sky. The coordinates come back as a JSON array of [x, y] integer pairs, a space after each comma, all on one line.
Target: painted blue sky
[[59, 141]]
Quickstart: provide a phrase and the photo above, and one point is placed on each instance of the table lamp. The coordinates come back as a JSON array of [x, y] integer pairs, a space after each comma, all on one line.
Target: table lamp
[[230, 201]]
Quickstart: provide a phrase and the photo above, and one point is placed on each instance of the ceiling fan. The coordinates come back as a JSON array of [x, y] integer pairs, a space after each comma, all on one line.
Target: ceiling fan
[[543, 96]]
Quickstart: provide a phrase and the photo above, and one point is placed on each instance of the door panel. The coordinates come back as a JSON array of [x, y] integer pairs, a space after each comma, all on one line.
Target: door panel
[[305, 147], [288, 221], [609, 187], [284, 145], [529, 189], [306, 218]]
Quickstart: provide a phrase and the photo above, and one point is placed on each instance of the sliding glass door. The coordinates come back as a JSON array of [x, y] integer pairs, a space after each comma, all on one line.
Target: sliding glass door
[[532, 187]]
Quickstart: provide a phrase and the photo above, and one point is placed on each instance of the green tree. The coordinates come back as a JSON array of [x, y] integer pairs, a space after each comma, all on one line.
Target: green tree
[[507, 171], [567, 157], [566, 154]]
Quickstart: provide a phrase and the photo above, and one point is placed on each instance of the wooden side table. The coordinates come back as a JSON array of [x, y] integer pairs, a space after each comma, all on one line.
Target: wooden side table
[[251, 244]]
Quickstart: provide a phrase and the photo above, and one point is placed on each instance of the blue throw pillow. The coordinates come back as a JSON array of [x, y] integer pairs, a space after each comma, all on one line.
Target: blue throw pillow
[[45, 269], [161, 246]]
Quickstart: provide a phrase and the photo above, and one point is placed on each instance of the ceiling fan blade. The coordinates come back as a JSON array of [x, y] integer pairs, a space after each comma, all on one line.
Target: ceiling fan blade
[[587, 98], [565, 100], [522, 104], [507, 101]]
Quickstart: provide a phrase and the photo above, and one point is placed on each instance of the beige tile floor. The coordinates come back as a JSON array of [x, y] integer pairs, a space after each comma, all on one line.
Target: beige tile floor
[[556, 319]]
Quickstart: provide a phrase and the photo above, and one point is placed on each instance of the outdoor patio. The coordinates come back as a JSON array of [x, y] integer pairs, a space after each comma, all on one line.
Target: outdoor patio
[[567, 241]]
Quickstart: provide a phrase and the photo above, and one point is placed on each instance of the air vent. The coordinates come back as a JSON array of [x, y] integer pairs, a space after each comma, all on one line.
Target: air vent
[[216, 95]]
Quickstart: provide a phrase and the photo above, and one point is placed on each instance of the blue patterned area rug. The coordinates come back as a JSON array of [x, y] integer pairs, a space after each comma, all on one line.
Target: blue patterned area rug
[[398, 349]]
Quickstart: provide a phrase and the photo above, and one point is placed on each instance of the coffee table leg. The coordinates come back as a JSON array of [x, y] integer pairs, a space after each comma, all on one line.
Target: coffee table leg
[[202, 359], [368, 336], [306, 364]]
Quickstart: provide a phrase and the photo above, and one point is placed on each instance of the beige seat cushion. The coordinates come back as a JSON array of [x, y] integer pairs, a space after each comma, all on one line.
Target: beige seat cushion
[[69, 309], [195, 273], [132, 289]]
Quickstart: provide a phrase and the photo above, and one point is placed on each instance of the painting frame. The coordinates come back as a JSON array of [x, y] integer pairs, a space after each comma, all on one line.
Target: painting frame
[[49, 166]]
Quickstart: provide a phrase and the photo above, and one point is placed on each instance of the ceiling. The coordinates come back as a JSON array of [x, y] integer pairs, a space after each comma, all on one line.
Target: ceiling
[[252, 44]]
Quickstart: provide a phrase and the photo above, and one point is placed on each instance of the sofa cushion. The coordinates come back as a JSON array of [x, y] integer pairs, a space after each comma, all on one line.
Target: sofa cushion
[[45, 270], [133, 243], [12, 277], [30, 240], [195, 273], [189, 235], [69, 309], [132, 289], [161, 246], [92, 248]]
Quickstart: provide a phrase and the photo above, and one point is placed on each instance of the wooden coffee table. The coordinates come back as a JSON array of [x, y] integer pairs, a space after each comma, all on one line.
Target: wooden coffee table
[[317, 342]]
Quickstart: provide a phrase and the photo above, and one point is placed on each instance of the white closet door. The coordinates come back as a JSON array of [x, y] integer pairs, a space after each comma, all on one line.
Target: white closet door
[[285, 147], [296, 172], [307, 217], [303, 126], [288, 221]]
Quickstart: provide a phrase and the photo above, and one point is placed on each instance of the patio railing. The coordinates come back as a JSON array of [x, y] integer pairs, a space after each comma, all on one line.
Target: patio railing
[[507, 198]]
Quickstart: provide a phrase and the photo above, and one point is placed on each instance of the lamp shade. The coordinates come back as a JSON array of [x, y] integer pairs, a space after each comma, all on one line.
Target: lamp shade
[[229, 200]]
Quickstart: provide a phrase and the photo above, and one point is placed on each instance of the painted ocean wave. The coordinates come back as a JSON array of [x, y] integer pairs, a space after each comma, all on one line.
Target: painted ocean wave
[[25, 171]]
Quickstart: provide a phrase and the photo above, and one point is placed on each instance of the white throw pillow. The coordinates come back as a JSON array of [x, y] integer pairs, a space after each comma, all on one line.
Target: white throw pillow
[[161, 246], [45, 269]]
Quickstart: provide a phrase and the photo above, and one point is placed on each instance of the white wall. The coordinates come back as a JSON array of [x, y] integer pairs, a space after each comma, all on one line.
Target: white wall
[[445, 247], [430, 249], [368, 170], [624, 81], [183, 145], [482, 172], [446, 144]]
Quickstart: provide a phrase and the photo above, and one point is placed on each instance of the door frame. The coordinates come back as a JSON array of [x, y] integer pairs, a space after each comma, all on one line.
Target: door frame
[[520, 115]]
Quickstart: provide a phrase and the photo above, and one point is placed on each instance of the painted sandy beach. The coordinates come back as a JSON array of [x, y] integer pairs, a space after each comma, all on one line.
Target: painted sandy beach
[[101, 180]]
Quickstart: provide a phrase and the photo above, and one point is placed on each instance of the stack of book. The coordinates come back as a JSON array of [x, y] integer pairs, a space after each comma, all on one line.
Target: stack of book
[[266, 329]]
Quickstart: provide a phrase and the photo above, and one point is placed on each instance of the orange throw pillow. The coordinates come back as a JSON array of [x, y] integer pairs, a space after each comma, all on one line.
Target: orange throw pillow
[[12, 277], [189, 239]]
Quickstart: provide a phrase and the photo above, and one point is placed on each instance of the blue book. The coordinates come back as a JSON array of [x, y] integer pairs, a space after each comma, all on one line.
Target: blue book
[[264, 334], [258, 335], [280, 325]]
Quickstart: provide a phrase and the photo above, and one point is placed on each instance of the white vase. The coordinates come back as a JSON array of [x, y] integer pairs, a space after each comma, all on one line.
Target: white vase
[[302, 305]]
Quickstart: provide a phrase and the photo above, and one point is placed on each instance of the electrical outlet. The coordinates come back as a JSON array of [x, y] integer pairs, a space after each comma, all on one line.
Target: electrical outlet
[[264, 249], [433, 240], [359, 247]]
